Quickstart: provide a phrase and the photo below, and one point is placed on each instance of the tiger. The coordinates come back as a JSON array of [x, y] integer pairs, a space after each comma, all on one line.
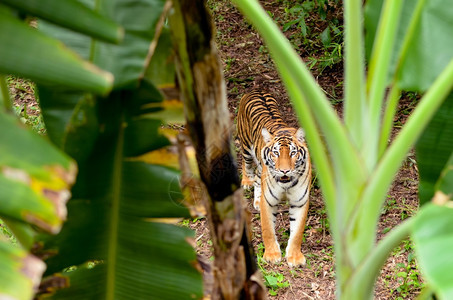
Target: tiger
[[276, 162]]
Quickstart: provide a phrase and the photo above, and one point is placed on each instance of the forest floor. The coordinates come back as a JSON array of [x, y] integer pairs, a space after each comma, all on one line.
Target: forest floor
[[248, 66]]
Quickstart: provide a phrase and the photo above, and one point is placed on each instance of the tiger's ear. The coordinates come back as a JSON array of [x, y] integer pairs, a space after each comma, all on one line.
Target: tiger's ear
[[300, 135], [267, 137]]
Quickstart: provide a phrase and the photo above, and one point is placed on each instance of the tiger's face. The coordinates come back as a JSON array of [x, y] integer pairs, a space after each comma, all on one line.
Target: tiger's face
[[284, 154]]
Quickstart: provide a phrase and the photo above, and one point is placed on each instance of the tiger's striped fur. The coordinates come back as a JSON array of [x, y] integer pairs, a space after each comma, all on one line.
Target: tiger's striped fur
[[276, 161]]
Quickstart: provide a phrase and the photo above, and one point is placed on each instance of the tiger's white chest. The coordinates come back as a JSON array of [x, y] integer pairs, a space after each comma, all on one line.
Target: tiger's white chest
[[292, 191]]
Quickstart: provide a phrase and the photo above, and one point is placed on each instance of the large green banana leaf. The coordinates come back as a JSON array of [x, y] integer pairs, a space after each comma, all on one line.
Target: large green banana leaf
[[433, 237], [435, 154], [425, 44], [423, 47], [27, 52], [87, 21], [119, 203], [34, 188]]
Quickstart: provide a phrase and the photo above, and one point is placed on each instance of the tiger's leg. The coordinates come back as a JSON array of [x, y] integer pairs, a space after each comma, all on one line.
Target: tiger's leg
[[248, 175], [268, 207], [257, 189], [257, 192], [297, 217]]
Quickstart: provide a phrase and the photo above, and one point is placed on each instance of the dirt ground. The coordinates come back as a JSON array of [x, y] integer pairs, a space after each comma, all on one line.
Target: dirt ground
[[248, 66]]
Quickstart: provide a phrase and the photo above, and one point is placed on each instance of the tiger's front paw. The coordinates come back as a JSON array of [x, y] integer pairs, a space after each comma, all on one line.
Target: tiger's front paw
[[246, 183], [272, 256], [295, 259]]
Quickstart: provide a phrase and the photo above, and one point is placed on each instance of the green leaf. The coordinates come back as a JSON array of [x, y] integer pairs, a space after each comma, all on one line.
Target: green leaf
[[33, 189], [425, 44], [20, 272], [48, 61], [125, 61], [66, 112], [141, 137], [118, 200], [161, 70], [109, 220], [71, 14], [432, 235], [429, 51], [434, 152], [445, 183], [271, 280], [154, 263], [33, 184], [116, 203]]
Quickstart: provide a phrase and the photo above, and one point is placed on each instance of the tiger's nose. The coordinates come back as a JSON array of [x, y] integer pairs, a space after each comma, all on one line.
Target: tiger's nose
[[285, 171]]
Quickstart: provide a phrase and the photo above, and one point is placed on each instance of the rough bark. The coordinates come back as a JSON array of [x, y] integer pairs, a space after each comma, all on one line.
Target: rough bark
[[202, 87]]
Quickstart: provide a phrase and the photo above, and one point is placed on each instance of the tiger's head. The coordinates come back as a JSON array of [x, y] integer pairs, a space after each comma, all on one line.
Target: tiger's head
[[285, 153]]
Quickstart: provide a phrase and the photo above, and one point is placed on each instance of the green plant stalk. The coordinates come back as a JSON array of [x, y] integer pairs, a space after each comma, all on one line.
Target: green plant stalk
[[318, 151], [5, 98], [405, 48], [346, 161], [379, 66], [387, 120], [348, 167], [360, 285], [374, 194], [381, 179], [390, 108], [355, 117]]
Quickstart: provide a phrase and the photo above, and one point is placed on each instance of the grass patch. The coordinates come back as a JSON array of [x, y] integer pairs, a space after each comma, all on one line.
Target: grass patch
[[25, 104]]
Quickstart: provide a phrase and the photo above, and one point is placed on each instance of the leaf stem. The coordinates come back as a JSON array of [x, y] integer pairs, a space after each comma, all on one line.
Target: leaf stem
[[354, 104], [362, 280], [387, 120], [4, 95], [346, 162], [379, 66], [392, 159], [317, 149]]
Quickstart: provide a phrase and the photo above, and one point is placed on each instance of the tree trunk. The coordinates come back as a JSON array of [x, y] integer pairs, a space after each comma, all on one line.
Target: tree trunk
[[202, 89]]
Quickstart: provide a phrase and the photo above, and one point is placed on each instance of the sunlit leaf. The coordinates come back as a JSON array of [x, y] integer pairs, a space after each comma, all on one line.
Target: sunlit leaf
[[432, 235], [34, 188], [48, 61], [71, 14], [429, 48], [20, 272], [126, 61], [34, 185]]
